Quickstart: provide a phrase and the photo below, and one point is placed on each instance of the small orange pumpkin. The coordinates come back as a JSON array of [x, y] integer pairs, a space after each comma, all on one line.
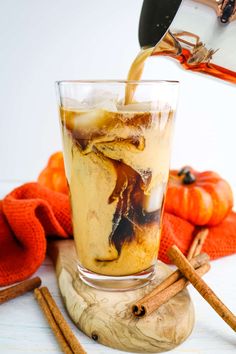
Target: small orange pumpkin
[[53, 175], [203, 198]]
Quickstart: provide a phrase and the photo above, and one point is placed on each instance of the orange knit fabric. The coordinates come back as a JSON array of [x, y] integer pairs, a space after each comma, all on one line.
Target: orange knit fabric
[[32, 212], [220, 242], [27, 215]]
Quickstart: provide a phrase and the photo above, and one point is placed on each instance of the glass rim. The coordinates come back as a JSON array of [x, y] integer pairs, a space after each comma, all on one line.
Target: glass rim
[[101, 81]]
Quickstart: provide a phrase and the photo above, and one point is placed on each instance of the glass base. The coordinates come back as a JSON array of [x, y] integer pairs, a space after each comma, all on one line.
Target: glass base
[[117, 283]]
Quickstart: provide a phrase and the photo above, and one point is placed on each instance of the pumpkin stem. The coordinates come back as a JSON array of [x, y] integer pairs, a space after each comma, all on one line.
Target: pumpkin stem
[[188, 177], [183, 171]]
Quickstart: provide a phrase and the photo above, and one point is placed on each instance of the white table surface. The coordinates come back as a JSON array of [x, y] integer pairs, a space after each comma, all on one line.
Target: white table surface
[[23, 329]]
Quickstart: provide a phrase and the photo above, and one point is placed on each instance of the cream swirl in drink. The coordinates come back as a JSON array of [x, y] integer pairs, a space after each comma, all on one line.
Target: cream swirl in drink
[[117, 165]]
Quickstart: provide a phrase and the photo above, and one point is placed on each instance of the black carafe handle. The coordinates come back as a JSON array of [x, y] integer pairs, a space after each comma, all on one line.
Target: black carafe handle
[[155, 19]]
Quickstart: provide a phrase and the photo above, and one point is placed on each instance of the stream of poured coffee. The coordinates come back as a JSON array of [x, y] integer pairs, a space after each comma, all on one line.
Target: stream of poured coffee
[[168, 46]]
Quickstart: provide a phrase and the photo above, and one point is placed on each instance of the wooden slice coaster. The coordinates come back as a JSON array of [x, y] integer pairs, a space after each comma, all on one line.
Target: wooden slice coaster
[[106, 316]]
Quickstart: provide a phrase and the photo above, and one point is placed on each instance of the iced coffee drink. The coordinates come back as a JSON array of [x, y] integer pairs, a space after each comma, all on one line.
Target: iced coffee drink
[[117, 165]]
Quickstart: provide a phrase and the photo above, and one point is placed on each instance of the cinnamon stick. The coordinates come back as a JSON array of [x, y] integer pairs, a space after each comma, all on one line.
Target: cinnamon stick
[[61, 322], [172, 278], [52, 323], [197, 244], [207, 293], [149, 304], [19, 289]]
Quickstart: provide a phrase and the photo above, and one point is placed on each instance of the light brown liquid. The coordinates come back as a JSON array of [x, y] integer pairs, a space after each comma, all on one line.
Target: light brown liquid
[[168, 46], [117, 166]]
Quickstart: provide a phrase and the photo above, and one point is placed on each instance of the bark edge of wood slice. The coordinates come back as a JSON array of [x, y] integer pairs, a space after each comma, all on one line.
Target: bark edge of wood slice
[[106, 316]]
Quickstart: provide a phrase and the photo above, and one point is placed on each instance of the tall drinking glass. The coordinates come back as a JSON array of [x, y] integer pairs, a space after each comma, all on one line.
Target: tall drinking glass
[[117, 154]]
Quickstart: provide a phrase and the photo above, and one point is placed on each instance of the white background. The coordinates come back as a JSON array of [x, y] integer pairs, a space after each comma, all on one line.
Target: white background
[[43, 41], [47, 40]]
